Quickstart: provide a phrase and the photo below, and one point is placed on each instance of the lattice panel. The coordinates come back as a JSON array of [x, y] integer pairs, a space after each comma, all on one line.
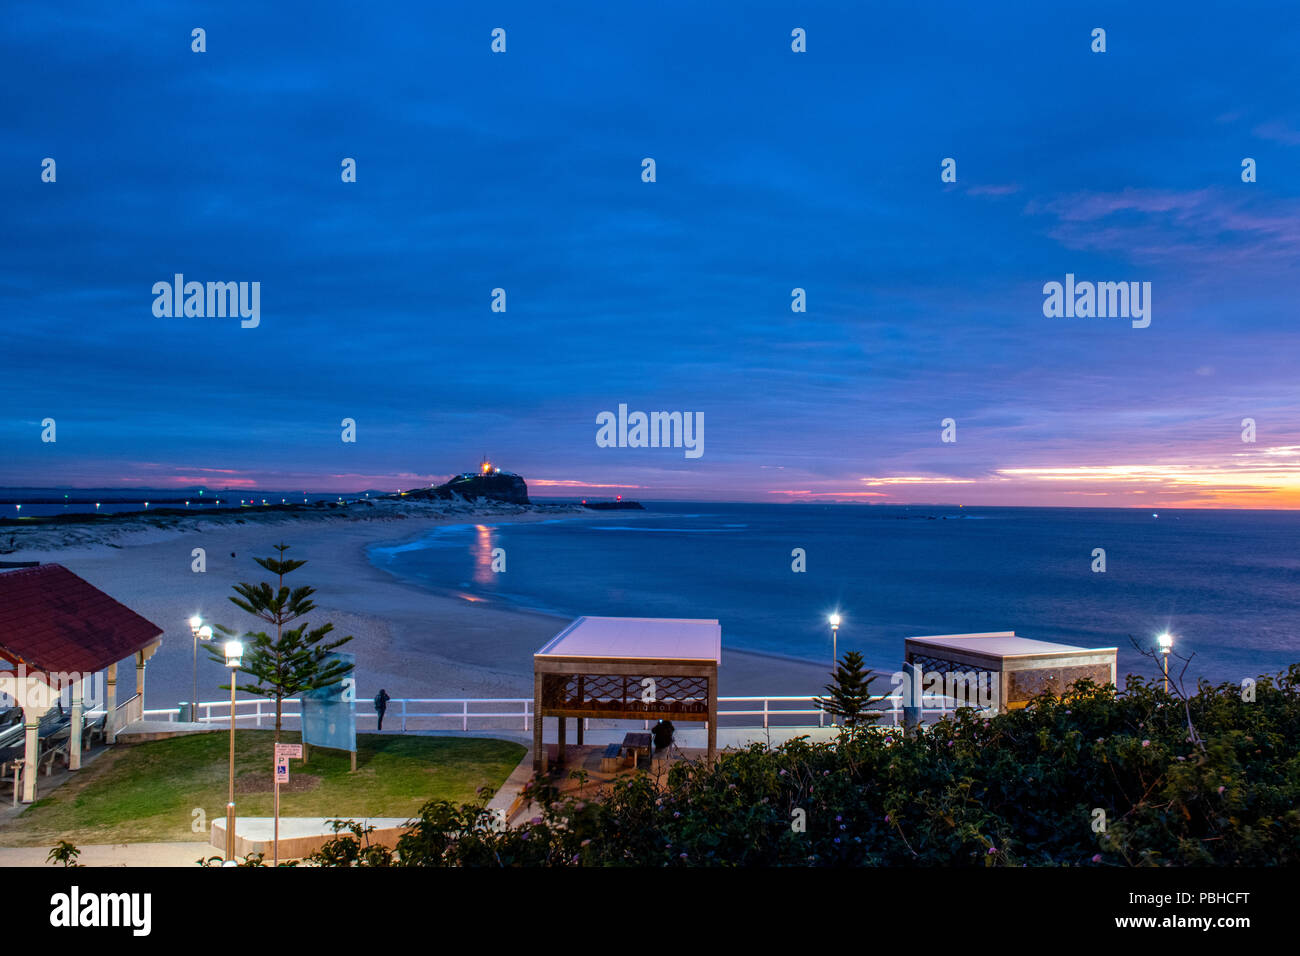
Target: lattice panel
[[941, 666], [625, 692], [977, 686]]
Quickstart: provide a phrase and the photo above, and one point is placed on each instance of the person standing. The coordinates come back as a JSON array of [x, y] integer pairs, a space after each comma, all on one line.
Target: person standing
[[381, 705]]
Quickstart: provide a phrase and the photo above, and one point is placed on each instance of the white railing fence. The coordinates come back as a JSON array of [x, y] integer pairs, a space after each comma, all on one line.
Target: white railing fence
[[516, 713], [129, 711]]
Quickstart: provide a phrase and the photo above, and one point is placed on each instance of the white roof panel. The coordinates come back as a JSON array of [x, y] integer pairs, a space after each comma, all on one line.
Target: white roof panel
[[650, 637], [1002, 644]]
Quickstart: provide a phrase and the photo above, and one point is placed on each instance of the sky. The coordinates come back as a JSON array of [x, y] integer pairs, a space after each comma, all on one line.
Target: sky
[[774, 170]]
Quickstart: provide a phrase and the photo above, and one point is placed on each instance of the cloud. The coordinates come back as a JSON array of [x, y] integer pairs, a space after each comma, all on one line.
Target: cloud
[[1202, 227], [574, 483], [845, 495], [917, 480], [1278, 131]]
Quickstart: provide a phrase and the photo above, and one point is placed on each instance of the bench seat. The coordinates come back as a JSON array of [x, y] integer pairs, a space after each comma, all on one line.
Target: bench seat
[[612, 759]]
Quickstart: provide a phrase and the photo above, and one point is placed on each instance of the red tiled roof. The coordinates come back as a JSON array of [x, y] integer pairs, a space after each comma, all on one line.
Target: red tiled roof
[[53, 621]]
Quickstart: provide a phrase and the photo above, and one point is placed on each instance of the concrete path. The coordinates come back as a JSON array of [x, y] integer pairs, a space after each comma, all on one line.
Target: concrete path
[[141, 730], [120, 854]]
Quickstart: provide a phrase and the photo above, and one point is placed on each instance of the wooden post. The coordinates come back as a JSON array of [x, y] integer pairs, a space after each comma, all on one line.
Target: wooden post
[[74, 737], [276, 838], [31, 723], [559, 750], [581, 703], [539, 748], [713, 715], [354, 759], [110, 705]]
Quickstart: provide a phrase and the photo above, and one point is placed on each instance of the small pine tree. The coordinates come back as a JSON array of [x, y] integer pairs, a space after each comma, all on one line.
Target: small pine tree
[[848, 694], [297, 659]]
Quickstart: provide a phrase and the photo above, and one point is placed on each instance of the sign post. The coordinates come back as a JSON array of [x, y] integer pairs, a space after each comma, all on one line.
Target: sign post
[[282, 754]]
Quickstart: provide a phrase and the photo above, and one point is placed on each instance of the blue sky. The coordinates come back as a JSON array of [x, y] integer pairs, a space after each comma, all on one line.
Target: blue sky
[[775, 170]]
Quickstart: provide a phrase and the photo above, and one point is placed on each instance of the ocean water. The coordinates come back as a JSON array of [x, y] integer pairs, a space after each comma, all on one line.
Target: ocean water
[[1226, 584]]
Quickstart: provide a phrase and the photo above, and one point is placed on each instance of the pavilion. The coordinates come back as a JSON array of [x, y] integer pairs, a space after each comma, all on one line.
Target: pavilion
[[627, 668], [1014, 669], [57, 632]]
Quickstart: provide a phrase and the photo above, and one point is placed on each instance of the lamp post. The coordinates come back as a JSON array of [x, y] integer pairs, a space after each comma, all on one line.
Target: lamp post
[[1165, 642], [835, 633], [201, 632], [234, 653]]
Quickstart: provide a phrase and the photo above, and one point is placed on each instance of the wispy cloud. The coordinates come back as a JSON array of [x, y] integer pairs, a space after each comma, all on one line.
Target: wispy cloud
[[574, 483], [992, 189], [1200, 227], [916, 480], [1279, 131]]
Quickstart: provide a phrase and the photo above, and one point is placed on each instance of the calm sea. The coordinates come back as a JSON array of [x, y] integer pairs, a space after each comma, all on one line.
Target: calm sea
[[1226, 584]]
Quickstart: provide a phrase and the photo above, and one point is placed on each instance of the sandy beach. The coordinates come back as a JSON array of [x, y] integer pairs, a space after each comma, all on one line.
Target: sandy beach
[[411, 642]]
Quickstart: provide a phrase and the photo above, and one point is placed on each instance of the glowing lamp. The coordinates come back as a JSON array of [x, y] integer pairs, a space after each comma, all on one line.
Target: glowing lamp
[[234, 653]]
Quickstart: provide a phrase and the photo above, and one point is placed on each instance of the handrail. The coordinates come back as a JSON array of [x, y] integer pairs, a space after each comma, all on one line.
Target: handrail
[[258, 709]]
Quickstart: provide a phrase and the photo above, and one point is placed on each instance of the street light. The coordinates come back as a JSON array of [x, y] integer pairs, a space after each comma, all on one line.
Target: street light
[[1165, 642], [234, 653], [835, 633], [200, 632]]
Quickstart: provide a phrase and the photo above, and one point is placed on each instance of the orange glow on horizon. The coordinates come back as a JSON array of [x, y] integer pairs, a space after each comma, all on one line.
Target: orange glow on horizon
[[1265, 478]]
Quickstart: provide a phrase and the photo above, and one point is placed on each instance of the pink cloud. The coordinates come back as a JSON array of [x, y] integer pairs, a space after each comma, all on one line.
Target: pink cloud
[[993, 190]]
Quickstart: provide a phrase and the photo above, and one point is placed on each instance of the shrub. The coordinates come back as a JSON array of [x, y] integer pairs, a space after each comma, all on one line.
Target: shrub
[[1099, 777]]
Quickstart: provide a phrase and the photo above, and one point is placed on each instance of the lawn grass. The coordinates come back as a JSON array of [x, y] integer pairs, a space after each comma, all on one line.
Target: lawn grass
[[154, 792]]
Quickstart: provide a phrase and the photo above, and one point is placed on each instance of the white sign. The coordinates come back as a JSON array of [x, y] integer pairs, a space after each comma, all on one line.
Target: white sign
[[288, 750], [281, 771]]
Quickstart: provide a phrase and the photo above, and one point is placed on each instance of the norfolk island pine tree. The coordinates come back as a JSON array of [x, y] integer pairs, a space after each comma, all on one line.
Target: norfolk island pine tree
[[295, 660], [848, 695]]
